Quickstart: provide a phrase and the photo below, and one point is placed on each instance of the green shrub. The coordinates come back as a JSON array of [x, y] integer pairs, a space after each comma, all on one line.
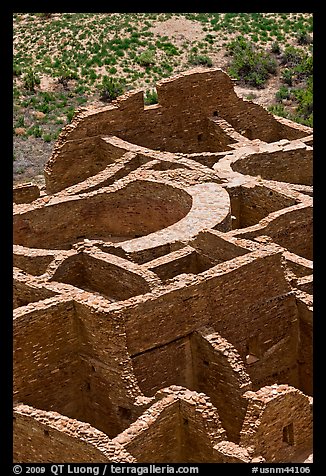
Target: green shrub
[[44, 107], [146, 58], [303, 38], [110, 60], [167, 66], [168, 47], [251, 96], [16, 69], [111, 88], [200, 60], [47, 138], [30, 80], [283, 93], [249, 64], [35, 131], [278, 110], [305, 101], [291, 56], [44, 16], [275, 48], [47, 96], [305, 68], [70, 114], [209, 38], [287, 76], [92, 74], [20, 122], [150, 97]]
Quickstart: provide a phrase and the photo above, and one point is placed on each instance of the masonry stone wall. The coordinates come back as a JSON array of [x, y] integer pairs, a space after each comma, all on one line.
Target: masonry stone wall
[[157, 440], [110, 387], [214, 246], [163, 284], [282, 417], [46, 359], [170, 364], [219, 375], [294, 166], [276, 358], [190, 303], [93, 154], [293, 236], [32, 262], [258, 202], [304, 303], [286, 229], [25, 193], [61, 439], [185, 260], [94, 215], [24, 293], [179, 123], [197, 441], [88, 272]]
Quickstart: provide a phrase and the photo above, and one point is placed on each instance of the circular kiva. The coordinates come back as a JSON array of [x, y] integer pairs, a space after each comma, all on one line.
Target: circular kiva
[[128, 213], [291, 165]]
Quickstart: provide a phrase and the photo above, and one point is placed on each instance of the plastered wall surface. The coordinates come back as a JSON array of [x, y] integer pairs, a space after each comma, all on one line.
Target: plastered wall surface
[[163, 284]]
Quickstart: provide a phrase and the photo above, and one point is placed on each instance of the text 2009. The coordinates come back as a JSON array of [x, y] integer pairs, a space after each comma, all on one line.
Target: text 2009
[[35, 469]]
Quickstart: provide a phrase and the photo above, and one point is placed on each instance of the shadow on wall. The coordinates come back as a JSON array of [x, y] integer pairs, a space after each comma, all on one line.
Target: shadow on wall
[[102, 276], [291, 166], [278, 424], [250, 204], [135, 210], [202, 364], [59, 353]]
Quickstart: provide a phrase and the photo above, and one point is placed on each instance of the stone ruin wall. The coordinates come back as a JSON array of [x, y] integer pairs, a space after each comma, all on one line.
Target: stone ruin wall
[[186, 119], [163, 282]]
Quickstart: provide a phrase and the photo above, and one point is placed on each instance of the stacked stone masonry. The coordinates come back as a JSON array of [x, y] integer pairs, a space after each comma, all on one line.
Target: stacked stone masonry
[[163, 284]]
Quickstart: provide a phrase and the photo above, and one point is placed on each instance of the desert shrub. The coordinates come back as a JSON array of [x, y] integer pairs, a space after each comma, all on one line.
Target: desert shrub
[[111, 88], [47, 137], [16, 69], [305, 68], [251, 96], [168, 47], [283, 93], [249, 64], [278, 110], [300, 71], [64, 74], [44, 16], [287, 76], [303, 38], [70, 114], [35, 131], [275, 48], [209, 38], [304, 97], [200, 60], [146, 58], [150, 97], [20, 122], [30, 80], [291, 56]]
